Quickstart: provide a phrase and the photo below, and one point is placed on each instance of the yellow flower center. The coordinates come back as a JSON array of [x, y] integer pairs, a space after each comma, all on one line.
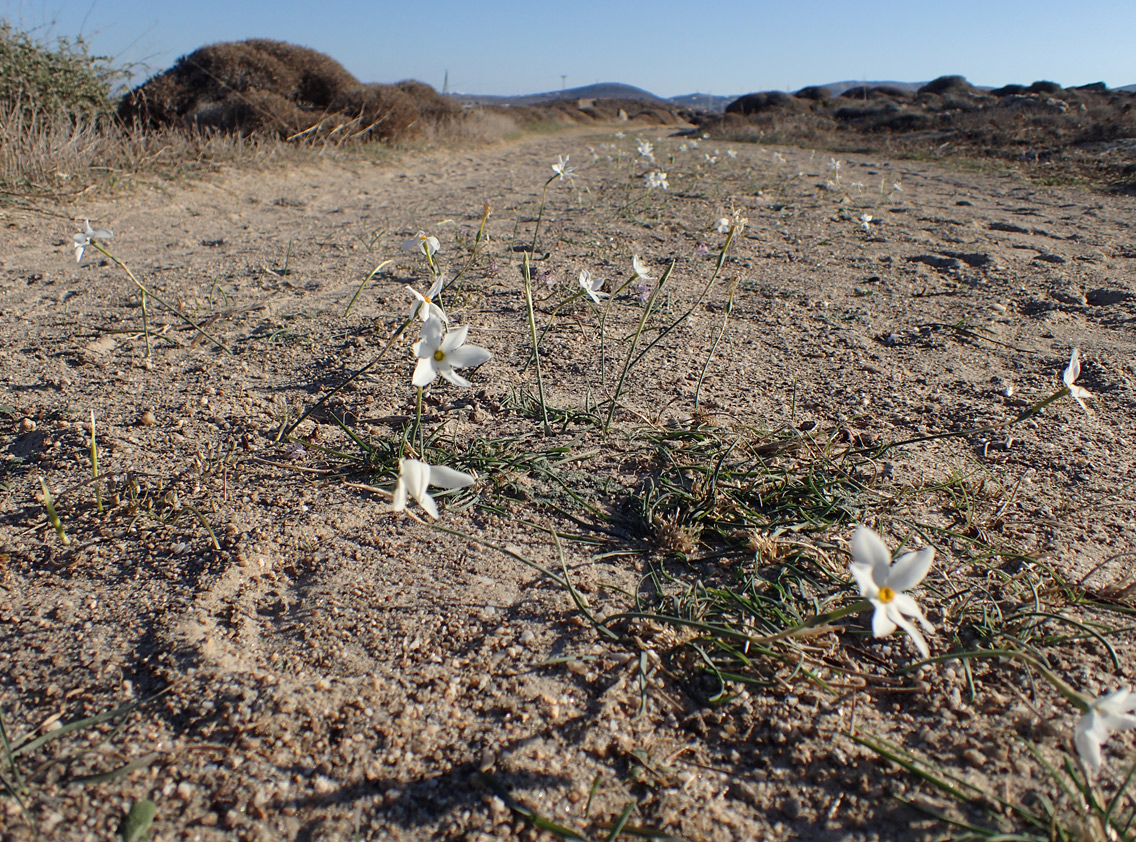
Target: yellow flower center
[[886, 594], [440, 355]]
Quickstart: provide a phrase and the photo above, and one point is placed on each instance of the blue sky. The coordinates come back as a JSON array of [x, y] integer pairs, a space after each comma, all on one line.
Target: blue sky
[[665, 46]]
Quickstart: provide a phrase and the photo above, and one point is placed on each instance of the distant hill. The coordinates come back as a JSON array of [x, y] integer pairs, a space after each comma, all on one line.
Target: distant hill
[[600, 90], [702, 102], [837, 88]]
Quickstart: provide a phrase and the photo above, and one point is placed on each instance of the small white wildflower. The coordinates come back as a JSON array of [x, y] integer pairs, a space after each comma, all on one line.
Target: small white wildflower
[[414, 477], [647, 150], [592, 286], [640, 269], [885, 583], [656, 179], [724, 224], [427, 245], [425, 308], [85, 236], [1113, 712], [1072, 372], [866, 220], [440, 352], [562, 169]]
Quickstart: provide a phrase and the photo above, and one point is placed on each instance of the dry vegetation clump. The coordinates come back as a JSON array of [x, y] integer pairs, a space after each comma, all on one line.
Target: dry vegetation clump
[[1059, 132], [275, 88]]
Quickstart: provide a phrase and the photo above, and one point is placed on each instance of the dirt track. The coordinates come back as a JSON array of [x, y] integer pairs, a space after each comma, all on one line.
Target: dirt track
[[335, 671]]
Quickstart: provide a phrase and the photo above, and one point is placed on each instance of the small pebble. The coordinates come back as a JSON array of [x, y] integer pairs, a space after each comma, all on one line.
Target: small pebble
[[27, 425], [147, 419]]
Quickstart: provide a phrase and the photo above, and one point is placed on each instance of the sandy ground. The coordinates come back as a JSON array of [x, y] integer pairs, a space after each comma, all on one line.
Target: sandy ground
[[329, 670]]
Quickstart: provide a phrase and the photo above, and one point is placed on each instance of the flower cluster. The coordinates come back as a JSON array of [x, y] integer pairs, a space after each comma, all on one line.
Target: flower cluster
[[439, 351]]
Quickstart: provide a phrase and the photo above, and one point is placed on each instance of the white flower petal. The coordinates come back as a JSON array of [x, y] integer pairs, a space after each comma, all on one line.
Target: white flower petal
[[908, 570], [862, 574], [1073, 371], [444, 477], [882, 624], [912, 632], [454, 377], [453, 339], [467, 355], [398, 504], [867, 548], [424, 372], [1087, 737]]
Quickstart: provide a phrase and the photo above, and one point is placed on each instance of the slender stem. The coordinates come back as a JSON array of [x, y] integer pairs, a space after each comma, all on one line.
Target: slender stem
[[286, 431], [169, 307], [95, 466], [634, 344], [417, 431], [1025, 415], [145, 324], [540, 214], [714, 347], [535, 344]]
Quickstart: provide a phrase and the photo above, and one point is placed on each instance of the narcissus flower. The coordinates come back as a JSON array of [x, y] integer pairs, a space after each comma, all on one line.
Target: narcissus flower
[[413, 479], [1107, 714], [425, 308], [427, 245], [562, 169], [441, 352], [884, 584], [646, 150], [656, 179], [84, 237], [1071, 374], [640, 270], [592, 286], [866, 220]]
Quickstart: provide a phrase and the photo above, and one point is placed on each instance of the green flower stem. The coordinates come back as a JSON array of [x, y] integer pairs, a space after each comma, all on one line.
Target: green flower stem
[[287, 431], [52, 515], [1025, 415], [535, 343], [1074, 697], [634, 344], [540, 213], [95, 467], [142, 288]]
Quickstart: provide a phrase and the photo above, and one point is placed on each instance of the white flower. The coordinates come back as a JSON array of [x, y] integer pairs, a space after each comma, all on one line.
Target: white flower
[[84, 237], [562, 169], [440, 352], [866, 220], [1113, 712], [620, 135], [592, 286], [427, 245], [731, 153], [639, 269], [884, 584], [656, 179], [646, 149], [724, 225], [425, 308], [712, 159], [1071, 374], [415, 476]]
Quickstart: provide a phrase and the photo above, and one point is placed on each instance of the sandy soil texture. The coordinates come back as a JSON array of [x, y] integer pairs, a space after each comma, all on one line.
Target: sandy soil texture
[[301, 663]]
